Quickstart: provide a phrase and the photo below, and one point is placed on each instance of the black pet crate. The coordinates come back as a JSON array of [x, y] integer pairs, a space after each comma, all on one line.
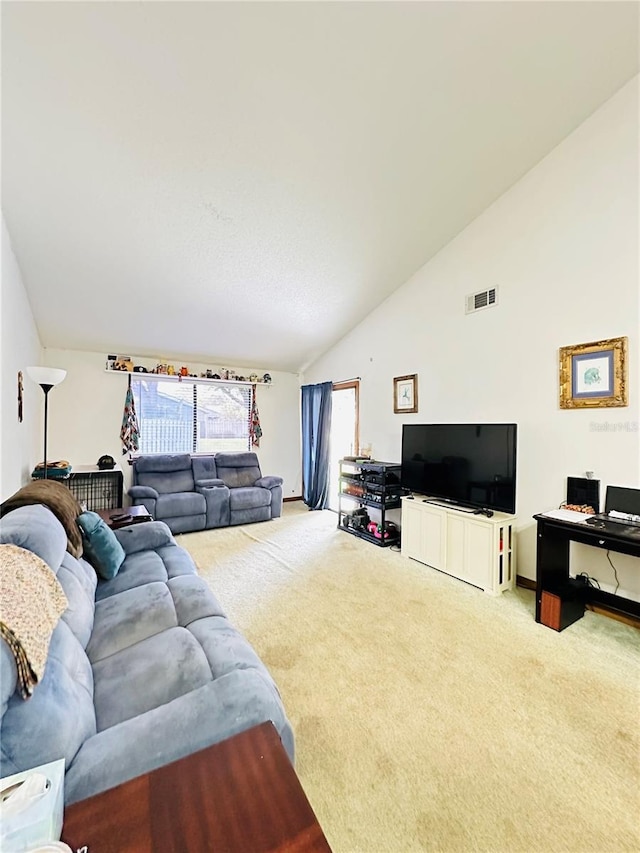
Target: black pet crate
[[97, 489]]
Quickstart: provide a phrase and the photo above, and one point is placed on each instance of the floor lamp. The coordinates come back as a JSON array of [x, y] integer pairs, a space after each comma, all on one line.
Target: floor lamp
[[46, 377]]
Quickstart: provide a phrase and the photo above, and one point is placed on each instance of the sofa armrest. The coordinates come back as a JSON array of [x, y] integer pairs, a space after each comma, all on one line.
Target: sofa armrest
[[144, 537], [211, 713], [137, 492], [217, 501], [269, 482], [209, 484]]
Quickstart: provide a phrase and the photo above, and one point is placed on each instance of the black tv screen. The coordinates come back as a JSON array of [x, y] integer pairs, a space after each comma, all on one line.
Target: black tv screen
[[472, 465]]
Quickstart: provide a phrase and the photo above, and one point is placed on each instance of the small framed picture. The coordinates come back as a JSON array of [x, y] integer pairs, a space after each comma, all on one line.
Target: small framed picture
[[20, 395], [405, 394], [594, 375]]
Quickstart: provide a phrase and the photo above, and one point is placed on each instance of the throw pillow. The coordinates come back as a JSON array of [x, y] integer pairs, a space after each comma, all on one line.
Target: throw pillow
[[101, 547]]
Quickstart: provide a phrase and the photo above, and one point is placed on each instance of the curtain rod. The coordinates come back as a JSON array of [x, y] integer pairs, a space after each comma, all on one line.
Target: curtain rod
[[342, 381]]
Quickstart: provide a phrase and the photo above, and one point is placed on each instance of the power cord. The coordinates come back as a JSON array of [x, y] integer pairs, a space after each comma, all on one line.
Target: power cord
[[587, 580], [614, 572]]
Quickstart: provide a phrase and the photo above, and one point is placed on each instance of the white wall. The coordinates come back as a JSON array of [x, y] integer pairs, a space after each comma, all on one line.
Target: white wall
[[562, 246], [85, 411], [85, 415], [20, 445]]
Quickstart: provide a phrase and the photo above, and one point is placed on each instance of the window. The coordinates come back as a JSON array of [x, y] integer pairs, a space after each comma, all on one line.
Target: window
[[191, 416]]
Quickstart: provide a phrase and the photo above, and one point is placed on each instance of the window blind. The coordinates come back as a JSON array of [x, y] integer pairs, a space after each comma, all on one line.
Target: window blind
[[191, 416]]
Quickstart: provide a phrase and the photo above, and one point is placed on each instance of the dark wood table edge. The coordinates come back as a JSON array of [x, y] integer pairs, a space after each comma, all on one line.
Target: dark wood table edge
[[277, 818]]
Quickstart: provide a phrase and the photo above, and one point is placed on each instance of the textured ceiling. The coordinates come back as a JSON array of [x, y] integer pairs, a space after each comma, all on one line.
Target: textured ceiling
[[244, 182]]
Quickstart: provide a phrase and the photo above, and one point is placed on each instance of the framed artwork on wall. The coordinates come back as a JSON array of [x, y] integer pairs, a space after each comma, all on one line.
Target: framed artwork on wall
[[20, 395], [594, 375], [405, 394]]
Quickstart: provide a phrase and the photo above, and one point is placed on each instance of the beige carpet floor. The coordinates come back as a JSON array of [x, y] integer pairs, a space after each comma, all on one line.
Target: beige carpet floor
[[428, 714]]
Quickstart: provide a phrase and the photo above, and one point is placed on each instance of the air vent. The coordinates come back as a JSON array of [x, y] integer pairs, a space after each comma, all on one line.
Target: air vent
[[482, 299]]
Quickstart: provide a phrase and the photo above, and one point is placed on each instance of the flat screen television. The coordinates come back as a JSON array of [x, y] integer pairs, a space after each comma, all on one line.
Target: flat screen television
[[472, 465]]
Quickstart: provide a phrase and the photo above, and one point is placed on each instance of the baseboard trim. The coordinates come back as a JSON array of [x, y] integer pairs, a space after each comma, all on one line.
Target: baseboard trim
[[601, 609], [292, 499], [633, 621]]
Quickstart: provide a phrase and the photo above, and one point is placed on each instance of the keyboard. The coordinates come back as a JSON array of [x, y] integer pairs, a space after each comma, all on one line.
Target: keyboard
[[616, 520]]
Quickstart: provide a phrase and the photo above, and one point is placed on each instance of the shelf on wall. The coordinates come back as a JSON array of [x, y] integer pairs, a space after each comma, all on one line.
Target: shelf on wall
[[178, 378]]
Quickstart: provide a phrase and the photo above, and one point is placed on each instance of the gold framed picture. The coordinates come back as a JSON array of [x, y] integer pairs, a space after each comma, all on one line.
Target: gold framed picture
[[405, 394], [594, 375]]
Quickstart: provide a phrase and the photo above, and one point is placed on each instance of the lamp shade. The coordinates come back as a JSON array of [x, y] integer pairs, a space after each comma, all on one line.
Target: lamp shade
[[46, 375]]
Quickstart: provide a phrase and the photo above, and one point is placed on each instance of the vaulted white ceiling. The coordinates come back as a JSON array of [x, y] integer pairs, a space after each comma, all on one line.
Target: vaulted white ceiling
[[244, 182]]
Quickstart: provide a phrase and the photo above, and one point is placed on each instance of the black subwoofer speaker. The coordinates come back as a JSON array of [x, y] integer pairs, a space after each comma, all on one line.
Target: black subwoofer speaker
[[581, 491]]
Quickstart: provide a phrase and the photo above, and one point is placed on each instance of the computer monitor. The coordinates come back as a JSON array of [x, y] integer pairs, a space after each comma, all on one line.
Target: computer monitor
[[622, 499]]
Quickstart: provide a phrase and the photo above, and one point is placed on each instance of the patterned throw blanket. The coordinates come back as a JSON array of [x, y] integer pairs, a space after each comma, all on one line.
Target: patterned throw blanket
[[59, 500], [31, 603]]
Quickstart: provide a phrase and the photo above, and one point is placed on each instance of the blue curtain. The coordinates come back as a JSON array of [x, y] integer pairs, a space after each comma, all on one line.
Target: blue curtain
[[316, 425]]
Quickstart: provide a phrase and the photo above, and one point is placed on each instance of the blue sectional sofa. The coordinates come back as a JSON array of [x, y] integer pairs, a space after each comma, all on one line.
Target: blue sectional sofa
[[141, 670], [196, 492]]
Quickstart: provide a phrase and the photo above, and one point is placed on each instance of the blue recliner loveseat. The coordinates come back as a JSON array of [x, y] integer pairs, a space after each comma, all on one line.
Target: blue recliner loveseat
[[196, 492]]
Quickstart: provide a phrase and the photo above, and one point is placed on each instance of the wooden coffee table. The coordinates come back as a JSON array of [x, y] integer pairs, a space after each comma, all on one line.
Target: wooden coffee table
[[238, 796], [136, 515]]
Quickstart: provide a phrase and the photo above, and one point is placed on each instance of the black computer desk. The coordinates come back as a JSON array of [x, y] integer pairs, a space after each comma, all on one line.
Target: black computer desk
[[561, 600]]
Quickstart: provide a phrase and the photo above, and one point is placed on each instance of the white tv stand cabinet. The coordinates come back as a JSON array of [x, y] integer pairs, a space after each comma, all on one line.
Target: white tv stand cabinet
[[473, 548]]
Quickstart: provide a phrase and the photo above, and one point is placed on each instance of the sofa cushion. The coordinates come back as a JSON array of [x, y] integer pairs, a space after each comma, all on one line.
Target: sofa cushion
[[78, 580], [250, 516], [225, 647], [249, 498], [101, 547], [84, 572], [59, 500], [129, 617], [144, 537], [37, 529], [166, 473], [193, 599], [167, 484], [177, 561], [187, 523], [163, 463], [204, 468], [146, 567], [137, 570], [59, 716], [238, 469], [148, 674], [8, 680], [182, 503]]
